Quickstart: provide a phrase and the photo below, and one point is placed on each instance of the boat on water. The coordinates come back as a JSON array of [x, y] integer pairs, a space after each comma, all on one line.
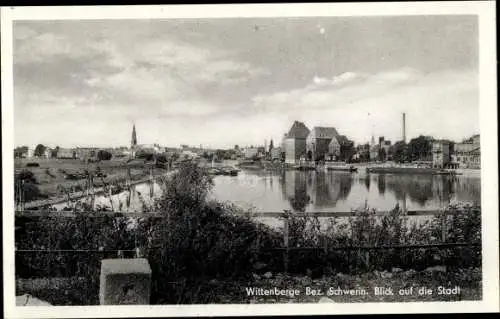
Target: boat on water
[[410, 170], [250, 164], [305, 166], [340, 167], [229, 171], [222, 170]]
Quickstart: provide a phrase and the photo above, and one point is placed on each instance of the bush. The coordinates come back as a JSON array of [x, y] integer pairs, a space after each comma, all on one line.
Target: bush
[[104, 155], [142, 154], [32, 164], [25, 184], [161, 158]]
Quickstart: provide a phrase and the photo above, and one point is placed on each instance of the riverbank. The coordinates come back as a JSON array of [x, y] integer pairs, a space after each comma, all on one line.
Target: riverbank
[[55, 178]]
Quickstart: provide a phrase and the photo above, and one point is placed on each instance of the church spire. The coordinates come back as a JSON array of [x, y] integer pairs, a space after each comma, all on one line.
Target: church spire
[[134, 137]]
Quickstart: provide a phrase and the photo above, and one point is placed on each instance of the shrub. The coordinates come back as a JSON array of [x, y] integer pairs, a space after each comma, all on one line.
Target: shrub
[[32, 164], [142, 154], [25, 184], [104, 155], [162, 158]]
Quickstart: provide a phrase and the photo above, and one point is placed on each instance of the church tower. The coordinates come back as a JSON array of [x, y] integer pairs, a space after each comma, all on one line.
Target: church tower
[[133, 143]]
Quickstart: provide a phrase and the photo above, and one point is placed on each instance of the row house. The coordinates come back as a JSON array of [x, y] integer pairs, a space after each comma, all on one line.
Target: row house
[[66, 153], [86, 153]]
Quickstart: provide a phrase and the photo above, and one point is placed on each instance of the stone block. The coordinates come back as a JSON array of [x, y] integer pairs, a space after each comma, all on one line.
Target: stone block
[[125, 282]]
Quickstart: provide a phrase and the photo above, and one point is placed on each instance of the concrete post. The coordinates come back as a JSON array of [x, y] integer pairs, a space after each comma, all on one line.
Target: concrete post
[[125, 282]]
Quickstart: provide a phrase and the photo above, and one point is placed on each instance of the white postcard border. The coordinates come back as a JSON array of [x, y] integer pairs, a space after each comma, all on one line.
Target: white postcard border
[[489, 160]]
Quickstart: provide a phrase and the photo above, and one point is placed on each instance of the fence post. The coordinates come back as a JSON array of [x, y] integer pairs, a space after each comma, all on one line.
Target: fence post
[[443, 227], [125, 282], [22, 195], [151, 179], [286, 240], [367, 259]]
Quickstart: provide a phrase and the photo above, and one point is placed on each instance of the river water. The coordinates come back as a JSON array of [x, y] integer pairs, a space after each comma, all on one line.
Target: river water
[[312, 191], [342, 191]]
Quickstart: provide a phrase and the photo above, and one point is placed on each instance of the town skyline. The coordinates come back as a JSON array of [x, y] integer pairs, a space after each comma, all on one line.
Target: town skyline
[[204, 81], [265, 142]]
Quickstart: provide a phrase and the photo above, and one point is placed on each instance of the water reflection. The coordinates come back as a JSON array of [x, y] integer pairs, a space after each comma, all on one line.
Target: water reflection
[[422, 188], [323, 191], [342, 191], [320, 189]]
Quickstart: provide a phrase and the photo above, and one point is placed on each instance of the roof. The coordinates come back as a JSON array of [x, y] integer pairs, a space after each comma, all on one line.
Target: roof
[[298, 130], [324, 132], [441, 142], [342, 139]]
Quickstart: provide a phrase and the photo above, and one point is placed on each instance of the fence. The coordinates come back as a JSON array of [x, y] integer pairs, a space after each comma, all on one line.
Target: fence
[[94, 255]]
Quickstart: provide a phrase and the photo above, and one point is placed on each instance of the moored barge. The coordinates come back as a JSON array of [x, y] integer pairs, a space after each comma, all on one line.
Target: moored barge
[[411, 170]]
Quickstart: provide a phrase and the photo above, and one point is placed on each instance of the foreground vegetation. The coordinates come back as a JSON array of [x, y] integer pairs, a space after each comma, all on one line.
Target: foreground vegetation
[[200, 251]]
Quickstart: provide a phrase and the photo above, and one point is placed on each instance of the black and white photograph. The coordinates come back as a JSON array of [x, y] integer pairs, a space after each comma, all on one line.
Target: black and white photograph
[[242, 156]]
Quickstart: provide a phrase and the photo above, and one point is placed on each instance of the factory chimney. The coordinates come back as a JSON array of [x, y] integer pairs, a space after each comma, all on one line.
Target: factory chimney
[[404, 127]]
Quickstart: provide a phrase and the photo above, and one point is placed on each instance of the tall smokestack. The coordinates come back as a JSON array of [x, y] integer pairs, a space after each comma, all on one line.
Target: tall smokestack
[[404, 127]]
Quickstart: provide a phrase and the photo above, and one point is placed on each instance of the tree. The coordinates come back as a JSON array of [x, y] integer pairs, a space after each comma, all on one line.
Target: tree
[[55, 151], [161, 158], [104, 155], [25, 183], [347, 150], [39, 150], [19, 151], [399, 152], [220, 154], [419, 148], [148, 156], [381, 154]]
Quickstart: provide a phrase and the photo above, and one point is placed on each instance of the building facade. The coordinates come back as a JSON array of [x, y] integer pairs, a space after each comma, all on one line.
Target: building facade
[[318, 143], [86, 153], [468, 153], [294, 143], [441, 156], [374, 151], [276, 153], [67, 153], [334, 149], [250, 152]]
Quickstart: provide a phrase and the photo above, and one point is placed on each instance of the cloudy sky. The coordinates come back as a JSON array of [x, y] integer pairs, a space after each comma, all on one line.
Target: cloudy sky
[[221, 82]]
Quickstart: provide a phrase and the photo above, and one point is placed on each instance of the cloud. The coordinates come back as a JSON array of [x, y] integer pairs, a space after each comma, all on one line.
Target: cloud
[[117, 69], [339, 90], [207, 77], [339, 80], [344, 101]]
